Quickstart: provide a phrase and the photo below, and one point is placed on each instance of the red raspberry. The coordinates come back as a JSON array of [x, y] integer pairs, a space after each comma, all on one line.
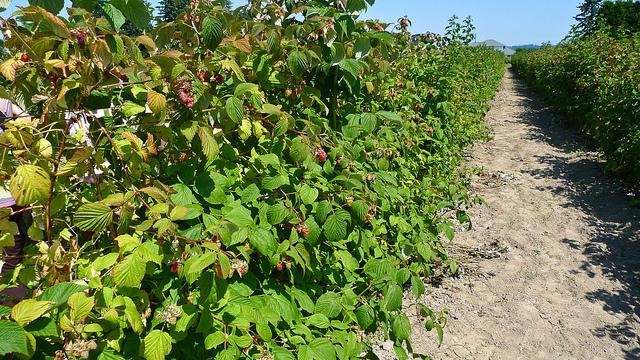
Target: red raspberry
[[280, 266], [24, 58], [321, 154], [219, 79], [197, 20], [305, 231], [175, 266]]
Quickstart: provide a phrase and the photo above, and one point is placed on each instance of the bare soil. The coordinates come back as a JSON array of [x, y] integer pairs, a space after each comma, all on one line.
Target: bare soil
[[550, 269]]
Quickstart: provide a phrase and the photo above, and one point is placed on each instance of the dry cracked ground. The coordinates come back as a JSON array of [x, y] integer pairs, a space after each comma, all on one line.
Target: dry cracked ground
[[553, 259]]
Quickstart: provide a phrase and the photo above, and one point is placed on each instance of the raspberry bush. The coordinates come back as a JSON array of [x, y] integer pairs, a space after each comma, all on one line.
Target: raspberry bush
[[258, 183], [594, 82]]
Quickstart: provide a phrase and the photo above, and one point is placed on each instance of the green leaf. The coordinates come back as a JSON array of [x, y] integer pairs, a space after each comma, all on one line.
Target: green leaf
[[360, 209], [129, 272], [28, 310], [329, 304], [365, 316], [264, 331], [234, 109], [196, 264], [80, 305], [30, 184], [185, 212], [387, 115], [135, 11], [335, 227], [250, 193], [351, 66], [298, 63], [210, 147], [417, 286], [321, 349], [133, 316], [299, 151], [52, 6], [213, 340], [393, 298], [59, 293], [212, 32], [277, 213], [319, 320], [116, 17], [274, 182], [244, 88], [43, 327], [440, 332], [362, 48], [93, 217], [308, 195], [14, 339], [239, 216], [130, 109], [264, 241], [157, 345], [401, 327], [157, 102]]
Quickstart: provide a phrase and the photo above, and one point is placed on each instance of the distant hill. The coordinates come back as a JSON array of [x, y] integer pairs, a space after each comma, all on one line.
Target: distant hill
[[528, 46]]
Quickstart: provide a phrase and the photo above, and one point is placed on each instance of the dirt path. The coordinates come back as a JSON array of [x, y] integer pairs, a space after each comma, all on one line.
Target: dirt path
[[564, 284]]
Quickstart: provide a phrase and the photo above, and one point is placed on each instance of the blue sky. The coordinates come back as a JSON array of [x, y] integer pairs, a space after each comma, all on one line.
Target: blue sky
[[513, 22]]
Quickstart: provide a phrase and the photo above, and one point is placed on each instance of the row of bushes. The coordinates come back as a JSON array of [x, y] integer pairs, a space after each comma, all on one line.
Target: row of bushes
[[594, 81], [258, 183]]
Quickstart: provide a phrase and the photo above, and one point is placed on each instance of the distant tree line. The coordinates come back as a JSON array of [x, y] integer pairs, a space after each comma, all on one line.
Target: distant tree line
[[620, 17], [616, 17]]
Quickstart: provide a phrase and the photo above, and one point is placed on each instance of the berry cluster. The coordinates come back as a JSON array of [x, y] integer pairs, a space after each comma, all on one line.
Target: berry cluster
[[320, 154], [185, 95], [302, 229], [81, 37]]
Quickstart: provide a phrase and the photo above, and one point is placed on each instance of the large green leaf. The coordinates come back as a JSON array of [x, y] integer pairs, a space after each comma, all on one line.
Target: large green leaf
[[59, 293], [365, 316], [80, 305], [129, 272], [116, 17], [93, 217], [393, 298], [321, 349], [335, 227], [157, 345], [298, 63], [212, 32], [30, 184], [210, 147], [197, 263], [401, 327], [135, 11], [28, 310], [308, 195], [52, 6], [264, 241], [329, 304], [362, 48], [234, 109], [14, 339]]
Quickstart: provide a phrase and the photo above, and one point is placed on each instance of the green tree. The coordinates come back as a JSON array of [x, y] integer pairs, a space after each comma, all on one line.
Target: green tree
[[587, 18], [620, 18], [170, 9]]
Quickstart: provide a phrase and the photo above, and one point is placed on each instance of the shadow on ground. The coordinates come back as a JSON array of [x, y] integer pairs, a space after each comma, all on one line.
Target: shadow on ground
[[614, 246]]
